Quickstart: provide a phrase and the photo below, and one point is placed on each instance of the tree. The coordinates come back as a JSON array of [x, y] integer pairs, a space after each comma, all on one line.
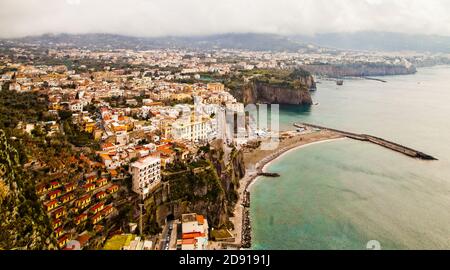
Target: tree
[[64, 115], [38, 132]]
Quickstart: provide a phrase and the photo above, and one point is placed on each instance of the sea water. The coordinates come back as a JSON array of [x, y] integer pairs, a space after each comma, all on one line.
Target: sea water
[[343, 194]]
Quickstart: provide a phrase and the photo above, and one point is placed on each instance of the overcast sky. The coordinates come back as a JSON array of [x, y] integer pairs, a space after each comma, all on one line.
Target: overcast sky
[[199, 17]]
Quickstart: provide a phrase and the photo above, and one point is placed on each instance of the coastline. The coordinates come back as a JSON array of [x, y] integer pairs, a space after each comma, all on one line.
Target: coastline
[[259, 160], [295, 148]]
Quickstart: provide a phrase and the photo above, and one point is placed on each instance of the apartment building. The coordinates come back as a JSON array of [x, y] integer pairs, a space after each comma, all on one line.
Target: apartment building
[[146, 174]]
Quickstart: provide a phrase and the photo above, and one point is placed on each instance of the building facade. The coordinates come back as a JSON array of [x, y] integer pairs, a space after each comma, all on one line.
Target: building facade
[[191, 129], [194, 232], [146, 174]]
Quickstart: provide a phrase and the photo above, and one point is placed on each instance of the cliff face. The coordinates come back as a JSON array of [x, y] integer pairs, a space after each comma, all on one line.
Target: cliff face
[[261, 92], [210, 189], [360, 70]]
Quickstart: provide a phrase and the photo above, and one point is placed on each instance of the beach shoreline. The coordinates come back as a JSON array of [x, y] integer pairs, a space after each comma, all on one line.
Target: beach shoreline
[[295, 148], [256, 162]]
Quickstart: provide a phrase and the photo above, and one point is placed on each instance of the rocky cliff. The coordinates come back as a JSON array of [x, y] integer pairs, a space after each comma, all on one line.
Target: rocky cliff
[[360, 70], [293, 88], [258, 92], [207, 187]]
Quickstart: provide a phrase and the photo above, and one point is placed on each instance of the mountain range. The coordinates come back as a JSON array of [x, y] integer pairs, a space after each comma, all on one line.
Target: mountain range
[[380, 41]]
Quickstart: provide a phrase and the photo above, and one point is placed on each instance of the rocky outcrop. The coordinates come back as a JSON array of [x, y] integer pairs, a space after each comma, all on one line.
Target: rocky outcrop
[[360, 70], [264, 93], [272, 86]]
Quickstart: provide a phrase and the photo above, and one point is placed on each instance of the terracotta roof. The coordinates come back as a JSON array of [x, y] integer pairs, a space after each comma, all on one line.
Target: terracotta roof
[[87, 196], [96, 216], [81, 216], [63, 238], [192, 235], [59, 210], [107, 145], [200, 219], [105, 157], [107, 208], [113, 187], [89, 185], [83, 239], [98, 205], [51, 202], [189, 241], [57, 191], [99, 194], [56, 221], [68, 195]]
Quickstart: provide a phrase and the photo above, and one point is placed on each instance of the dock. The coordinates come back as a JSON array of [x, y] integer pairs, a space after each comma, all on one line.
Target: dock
[[269, 174], [375, 140], [375, 79]]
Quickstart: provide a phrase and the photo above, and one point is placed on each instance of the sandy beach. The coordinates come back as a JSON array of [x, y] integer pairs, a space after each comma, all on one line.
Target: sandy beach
[[256, 161]]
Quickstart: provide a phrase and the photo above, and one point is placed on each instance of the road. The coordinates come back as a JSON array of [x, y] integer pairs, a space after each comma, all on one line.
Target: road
[[165, 237]]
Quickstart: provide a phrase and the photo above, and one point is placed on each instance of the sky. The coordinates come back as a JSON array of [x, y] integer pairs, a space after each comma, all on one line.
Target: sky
[[203, 17]]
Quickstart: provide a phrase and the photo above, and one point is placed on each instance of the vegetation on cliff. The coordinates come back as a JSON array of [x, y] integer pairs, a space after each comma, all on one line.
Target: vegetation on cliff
[[244, 85], [26, 160], [207, 185], [24, 223], [272, 86]]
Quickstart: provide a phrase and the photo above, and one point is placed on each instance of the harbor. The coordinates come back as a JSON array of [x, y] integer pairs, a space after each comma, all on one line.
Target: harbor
[[375, 140]]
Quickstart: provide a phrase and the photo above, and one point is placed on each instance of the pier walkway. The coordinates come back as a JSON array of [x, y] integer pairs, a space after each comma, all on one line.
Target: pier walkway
[[376, 140]]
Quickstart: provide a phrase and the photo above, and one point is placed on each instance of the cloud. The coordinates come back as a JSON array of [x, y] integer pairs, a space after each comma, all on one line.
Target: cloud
[[200, 17]]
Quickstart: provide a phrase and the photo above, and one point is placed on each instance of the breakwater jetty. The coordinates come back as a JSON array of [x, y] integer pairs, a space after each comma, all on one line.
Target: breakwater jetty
[[246, 241], [375, 140], [269, 174], [375, 79]]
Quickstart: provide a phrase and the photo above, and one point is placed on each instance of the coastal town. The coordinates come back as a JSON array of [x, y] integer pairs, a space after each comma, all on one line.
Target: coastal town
[[157, 149], [206, 134]]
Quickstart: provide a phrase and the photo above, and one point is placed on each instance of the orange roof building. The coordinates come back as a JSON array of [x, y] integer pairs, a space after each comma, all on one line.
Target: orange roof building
[[97, 208], [80, 218], [51, 205], [112, 189], [100, 195]]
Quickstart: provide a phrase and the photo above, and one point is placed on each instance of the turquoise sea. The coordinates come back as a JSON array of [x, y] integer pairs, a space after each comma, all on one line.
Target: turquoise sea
[[342, 194]]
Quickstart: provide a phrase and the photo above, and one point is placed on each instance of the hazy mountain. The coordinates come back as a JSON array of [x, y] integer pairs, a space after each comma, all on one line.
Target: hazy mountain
[[382, 41], [250, 41]]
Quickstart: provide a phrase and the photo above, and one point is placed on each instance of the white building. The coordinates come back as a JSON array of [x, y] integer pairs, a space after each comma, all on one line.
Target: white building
[[146, 174], [76, 106], [122, 138], [194, 232], [194, 129]]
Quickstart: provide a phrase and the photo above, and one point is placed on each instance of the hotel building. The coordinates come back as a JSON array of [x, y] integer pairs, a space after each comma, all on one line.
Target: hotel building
[[146, 174]]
